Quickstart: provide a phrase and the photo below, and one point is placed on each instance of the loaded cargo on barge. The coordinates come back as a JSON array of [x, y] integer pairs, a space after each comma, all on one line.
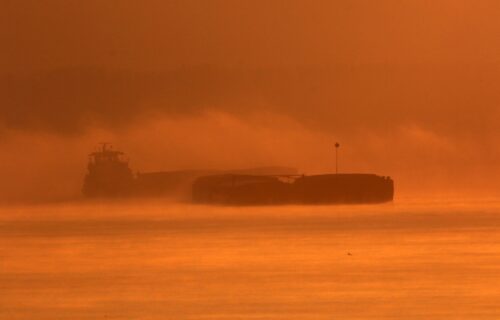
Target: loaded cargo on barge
[[314, 189], [109, 175]]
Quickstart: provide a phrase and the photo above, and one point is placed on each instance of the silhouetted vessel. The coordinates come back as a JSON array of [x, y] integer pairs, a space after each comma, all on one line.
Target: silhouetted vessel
[[109, 175], [316, 189]]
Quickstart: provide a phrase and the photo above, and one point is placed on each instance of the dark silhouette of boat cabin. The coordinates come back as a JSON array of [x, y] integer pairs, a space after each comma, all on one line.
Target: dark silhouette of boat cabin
[[109, 175]]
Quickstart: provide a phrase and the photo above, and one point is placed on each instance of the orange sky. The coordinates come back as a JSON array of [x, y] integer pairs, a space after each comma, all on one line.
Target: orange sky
[[410, 88]]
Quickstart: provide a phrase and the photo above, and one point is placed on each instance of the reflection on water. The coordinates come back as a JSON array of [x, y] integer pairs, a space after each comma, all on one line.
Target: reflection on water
[[161, 261]]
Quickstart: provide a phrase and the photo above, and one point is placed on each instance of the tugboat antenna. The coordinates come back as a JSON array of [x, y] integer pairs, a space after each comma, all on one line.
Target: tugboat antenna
[[337, 145], [104, 145]]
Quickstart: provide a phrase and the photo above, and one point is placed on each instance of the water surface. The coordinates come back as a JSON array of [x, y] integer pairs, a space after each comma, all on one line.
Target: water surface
[[407, 260]]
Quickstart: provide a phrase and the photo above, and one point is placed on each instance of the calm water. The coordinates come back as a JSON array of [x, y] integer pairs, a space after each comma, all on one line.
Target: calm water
[[429, 260]]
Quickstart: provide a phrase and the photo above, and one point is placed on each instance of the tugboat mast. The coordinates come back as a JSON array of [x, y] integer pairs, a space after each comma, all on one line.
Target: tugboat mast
[[337, 145], [104, 146]]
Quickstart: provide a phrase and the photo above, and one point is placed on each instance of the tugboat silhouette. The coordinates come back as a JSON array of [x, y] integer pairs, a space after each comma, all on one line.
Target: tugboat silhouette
[[109, 175]]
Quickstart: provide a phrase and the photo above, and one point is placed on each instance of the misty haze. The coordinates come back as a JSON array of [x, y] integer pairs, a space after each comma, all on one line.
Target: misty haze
[[218, 159]]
